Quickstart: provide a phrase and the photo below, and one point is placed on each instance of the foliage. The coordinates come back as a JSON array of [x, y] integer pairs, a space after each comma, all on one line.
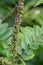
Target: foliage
[[30, 39], [39, 2], [5, 40], [30, 35]]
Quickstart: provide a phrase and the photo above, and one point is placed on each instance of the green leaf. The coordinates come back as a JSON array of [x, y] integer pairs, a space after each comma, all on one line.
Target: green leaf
[[28, 55], [39, 2], [7, 34], [19, 50], [3, 28], [5, 39], [29, 38]]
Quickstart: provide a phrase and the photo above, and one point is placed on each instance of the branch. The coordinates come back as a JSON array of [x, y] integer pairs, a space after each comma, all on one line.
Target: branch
[[10, 14]]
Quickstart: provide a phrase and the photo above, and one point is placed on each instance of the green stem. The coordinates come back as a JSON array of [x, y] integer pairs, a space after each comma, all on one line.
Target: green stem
[[22, 60]]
